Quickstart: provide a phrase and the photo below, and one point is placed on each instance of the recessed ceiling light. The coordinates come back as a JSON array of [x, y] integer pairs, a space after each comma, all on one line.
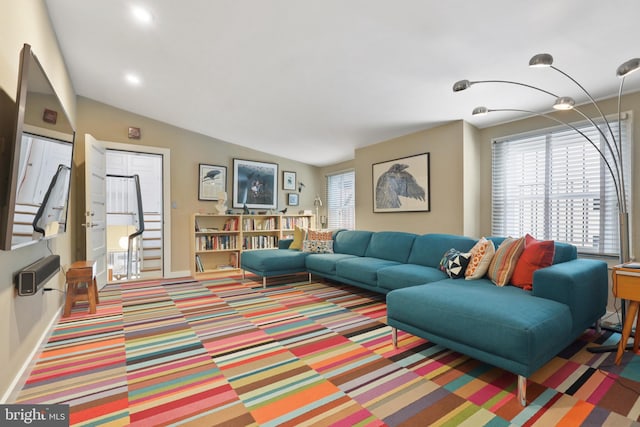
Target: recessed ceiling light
[[133, 79], [142, 15]]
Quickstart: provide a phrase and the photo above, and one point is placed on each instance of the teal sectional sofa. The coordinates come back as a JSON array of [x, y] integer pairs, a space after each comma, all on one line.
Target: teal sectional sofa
[[508, 327]]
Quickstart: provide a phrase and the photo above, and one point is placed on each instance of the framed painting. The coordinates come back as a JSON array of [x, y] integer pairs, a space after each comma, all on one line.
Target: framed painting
[[212, 182], [255, 184], [292, 199], [288, 180], [402, 185]]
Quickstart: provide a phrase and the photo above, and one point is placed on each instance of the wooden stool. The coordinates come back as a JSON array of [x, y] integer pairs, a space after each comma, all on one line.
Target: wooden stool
[[81, 272]]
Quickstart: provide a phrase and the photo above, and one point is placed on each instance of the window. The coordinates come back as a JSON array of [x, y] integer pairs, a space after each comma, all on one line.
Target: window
[[555, 185], [341, 200]]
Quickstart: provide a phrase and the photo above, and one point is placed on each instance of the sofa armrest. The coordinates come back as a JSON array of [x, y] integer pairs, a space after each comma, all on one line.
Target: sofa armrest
[[284, 243], [581, 284]]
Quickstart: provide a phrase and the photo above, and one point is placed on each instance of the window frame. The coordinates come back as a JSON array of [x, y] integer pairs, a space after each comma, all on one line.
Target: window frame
[[341, 223], [604, 203]]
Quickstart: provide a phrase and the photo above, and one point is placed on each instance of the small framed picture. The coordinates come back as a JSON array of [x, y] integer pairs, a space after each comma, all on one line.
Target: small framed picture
[[212, 182], [288, 180], [292, 199]]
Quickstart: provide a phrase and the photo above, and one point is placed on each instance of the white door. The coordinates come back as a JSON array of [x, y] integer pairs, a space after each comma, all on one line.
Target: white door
[[95, 202]]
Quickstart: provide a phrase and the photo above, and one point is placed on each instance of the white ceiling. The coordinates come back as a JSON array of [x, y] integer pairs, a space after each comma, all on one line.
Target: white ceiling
[[314, 80]]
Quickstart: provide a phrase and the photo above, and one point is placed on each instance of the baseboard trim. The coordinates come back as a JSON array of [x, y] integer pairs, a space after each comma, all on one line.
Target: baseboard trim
[[177, 274], [21, 376]]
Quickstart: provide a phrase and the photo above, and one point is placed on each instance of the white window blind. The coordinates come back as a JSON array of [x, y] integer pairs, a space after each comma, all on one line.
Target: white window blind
[[341, 198], [554, 185]]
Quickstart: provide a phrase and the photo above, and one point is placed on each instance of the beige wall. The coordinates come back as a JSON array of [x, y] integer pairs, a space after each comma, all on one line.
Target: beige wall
[[23, 320], [188, 149], [445, 145]]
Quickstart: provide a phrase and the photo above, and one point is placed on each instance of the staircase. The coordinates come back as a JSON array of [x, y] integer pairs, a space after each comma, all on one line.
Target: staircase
[[151, 254]]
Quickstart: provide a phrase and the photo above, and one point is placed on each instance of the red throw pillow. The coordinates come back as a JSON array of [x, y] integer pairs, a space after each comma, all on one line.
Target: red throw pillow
[[537, 254]]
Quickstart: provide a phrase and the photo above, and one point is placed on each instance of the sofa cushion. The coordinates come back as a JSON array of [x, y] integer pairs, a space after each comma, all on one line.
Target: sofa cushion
[[505, 321], [563, 251], [320, 235], [537, 254], [318, 246], [391, 245], [404, 275], [428, 249], [481, 256], [454, 263], [504, 261], [273, 261], [325, 263], [362, 269], [299, 235], [352, 242]]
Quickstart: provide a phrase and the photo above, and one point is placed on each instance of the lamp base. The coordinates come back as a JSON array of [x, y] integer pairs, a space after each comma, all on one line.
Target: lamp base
[[609, 348]]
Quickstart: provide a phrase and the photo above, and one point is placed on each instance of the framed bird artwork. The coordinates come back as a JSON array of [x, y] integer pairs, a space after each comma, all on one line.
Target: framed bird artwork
[[255, 184], [212, 182], [402, 185]]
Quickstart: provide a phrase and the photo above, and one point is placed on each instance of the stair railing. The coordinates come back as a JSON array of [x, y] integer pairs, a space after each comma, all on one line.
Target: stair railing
[[140, 228]]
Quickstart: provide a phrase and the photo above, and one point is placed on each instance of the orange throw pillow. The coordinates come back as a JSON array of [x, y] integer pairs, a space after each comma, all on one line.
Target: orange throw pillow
[[504, 261], [537, 254]]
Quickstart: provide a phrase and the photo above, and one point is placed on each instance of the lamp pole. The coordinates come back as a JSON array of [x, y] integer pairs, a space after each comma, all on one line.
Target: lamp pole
[[615, 167]]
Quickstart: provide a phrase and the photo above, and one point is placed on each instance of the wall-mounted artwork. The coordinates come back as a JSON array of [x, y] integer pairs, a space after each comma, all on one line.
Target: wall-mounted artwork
[[255, 184], [212, 182], [292, 199], [402, 185], [288, 180]]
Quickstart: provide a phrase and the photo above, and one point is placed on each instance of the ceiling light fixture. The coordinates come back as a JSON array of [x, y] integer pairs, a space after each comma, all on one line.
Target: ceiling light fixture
[[133, 79], [141, 14]]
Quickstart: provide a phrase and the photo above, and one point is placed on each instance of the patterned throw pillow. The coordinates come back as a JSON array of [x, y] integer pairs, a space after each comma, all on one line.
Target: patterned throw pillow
[[320, 235], [481, 256], [505, 259], [299, 235], [454, 263], [537, 254], [318, 246]]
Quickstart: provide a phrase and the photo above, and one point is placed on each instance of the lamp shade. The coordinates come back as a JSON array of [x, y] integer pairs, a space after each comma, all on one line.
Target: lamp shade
[[541, 60], [628, 67], [564, 103], [461, 85], [480, 111]]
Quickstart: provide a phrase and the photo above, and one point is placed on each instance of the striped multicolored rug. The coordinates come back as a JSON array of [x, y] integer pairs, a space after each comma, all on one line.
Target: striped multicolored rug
[[228, 352]]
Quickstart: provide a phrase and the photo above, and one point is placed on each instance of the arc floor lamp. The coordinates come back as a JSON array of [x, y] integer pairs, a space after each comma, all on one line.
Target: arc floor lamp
[[613, 143]]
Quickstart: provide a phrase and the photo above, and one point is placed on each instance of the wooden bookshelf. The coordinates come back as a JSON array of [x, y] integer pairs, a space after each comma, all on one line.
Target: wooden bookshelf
[[217, 241]]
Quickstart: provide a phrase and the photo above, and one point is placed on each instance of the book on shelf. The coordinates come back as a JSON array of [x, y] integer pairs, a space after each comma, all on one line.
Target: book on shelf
[[199, 266]]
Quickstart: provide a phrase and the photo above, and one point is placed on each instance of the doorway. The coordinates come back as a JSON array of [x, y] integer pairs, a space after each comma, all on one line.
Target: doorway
[[134, 206]]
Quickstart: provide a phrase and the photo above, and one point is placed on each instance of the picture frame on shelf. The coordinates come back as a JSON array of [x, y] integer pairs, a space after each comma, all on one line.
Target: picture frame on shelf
[[288, 180], [292, 199], [402, 185], [255, 184], [212, 182]]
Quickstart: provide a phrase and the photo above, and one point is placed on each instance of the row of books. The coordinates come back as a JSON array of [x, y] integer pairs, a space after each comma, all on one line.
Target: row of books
[[260, 242], [231, 224], [289, 222], [252, 224], [208, 243]]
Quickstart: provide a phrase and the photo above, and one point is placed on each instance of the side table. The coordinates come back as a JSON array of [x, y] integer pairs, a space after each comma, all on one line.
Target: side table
[[626, 286]]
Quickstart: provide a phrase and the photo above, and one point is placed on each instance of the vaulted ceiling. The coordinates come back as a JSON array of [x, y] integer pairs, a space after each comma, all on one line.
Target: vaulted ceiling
[[314, 80]]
